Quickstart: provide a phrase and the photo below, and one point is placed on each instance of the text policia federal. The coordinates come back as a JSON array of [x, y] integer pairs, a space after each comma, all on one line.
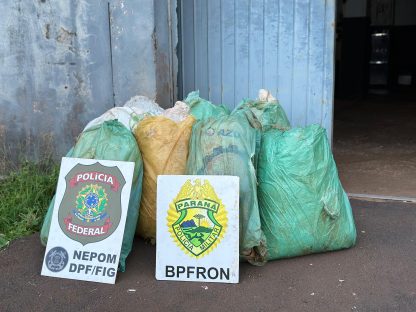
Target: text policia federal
[[200, 273], [93, 269]]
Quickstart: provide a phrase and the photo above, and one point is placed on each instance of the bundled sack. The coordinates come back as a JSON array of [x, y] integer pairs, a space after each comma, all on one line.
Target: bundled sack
[[267, 110], [226, 145], [109, 141], [202, 109], [303, 206], [163, 141], [129, 114], [177, 113]]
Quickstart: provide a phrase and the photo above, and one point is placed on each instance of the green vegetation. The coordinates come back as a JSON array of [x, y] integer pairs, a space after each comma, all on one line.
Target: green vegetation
[[24, 198]]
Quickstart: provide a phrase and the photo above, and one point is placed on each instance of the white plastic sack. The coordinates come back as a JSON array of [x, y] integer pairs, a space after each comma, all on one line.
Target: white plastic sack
[[130, 113], [177, 113]]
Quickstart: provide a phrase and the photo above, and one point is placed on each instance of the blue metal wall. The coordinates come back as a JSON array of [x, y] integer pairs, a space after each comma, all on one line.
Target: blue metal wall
[[55, 74], [63, 63], [232, 48]]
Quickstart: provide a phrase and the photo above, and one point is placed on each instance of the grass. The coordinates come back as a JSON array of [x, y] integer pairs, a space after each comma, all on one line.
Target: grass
[[24, 198]]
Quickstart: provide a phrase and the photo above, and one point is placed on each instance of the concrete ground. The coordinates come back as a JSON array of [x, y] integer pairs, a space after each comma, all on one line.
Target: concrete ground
[[375, 144], [378, 274]]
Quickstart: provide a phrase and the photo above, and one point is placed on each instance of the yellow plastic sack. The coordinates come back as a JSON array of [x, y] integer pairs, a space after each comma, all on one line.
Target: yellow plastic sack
[[164, 147]]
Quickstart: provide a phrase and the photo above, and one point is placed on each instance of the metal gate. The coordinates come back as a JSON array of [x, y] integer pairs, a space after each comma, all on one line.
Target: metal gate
[[232, 48]]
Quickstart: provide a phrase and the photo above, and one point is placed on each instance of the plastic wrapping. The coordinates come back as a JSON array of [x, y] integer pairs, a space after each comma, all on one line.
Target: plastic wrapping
[[267, 110], [303, 206], [226, 145], [203, 109], [129, 114]]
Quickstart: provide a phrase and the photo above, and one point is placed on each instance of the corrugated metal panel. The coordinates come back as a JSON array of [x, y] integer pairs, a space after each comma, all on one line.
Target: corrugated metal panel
[[230, 49]]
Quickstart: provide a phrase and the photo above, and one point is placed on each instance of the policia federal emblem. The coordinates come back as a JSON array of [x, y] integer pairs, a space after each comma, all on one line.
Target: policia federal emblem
[[90, 210]]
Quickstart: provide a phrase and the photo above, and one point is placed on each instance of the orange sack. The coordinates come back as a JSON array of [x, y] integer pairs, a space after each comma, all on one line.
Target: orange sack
[[164, 147]]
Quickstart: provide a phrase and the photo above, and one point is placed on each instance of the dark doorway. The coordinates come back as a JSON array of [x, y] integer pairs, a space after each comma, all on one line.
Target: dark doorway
[[375, 97]]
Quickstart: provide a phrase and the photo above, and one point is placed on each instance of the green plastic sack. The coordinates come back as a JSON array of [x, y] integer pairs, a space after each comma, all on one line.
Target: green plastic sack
[[226, 145], [109, 141], [303, 206], [268, 112], [203, 109]]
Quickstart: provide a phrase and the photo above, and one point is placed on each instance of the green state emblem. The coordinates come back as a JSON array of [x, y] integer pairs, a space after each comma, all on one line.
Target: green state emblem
[[197, 219]]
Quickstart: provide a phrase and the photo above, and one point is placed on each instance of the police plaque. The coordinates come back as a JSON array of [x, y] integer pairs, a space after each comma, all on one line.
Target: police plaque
[[197, 228], [88, 219]]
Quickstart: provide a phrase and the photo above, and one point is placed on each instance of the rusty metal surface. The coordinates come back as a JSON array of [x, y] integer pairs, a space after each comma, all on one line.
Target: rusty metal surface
[[55, 74], [63, 63]]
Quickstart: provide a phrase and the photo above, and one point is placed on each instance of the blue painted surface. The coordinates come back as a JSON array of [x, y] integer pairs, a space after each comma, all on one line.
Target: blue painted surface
[[241, 50], [227, 56], [59, 68], [188, 34], [231, 49], [132, 40], [63, 63], [143, 39], [214, 44], [55, 74]]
